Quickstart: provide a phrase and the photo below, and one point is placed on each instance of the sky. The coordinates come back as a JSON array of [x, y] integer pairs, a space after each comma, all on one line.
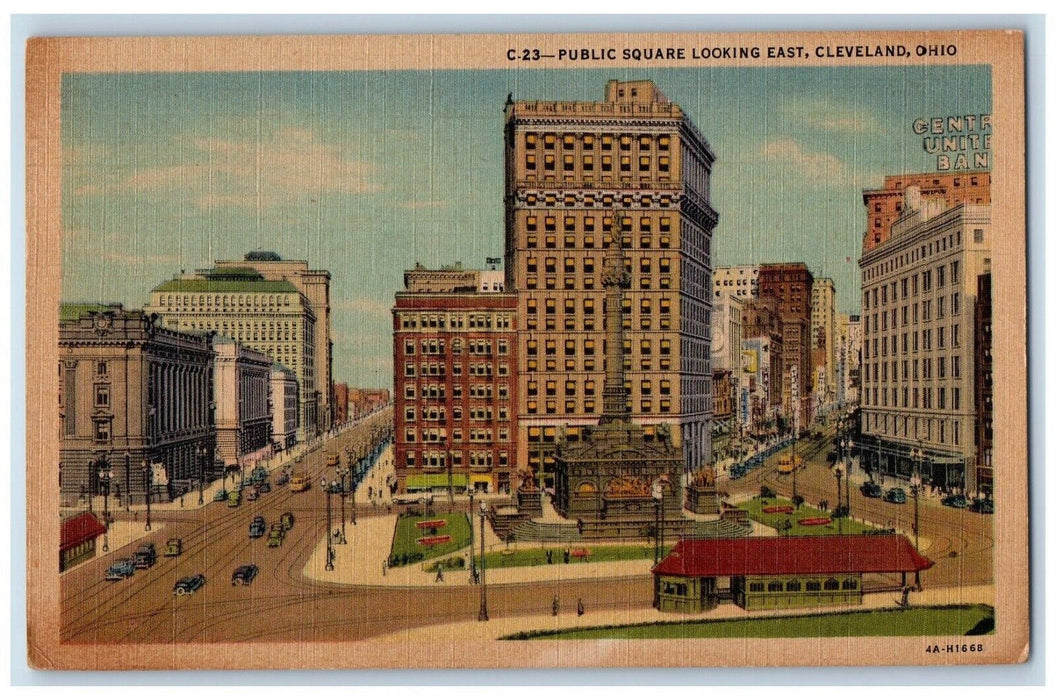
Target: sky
[[366, 173]]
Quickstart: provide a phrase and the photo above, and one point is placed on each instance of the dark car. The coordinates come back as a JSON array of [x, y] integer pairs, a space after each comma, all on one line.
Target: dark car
[[871, 489], [982, 505], [244, 575], [282, 478], [895, 495], [258, 527], [220, 495], [188, 584], [120, 569], [145, 556], [264, 487], [955, 500]]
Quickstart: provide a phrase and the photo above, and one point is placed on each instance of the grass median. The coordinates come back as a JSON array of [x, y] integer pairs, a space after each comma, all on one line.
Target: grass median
[[536, 556], [788, 523], [407, 550]]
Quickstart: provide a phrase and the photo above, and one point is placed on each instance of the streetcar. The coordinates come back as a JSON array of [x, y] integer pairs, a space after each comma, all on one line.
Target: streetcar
[[788, 464]]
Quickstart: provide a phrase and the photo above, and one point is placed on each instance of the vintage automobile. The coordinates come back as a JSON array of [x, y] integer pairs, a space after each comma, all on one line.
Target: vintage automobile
[[286, 520], [264, 486], [895, 495], [234, 499], [283, 478], [982, 505], [145, 556], [188, 584], [871, 489], [257, 527], [276, 535], [244, 575], [174, 547], [252, 493], [220, 495], [955, 500], [121, 569]]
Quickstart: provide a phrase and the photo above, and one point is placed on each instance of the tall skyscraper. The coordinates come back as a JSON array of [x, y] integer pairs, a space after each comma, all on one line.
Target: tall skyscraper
[[571, 168], [823, 339], [790, 284]]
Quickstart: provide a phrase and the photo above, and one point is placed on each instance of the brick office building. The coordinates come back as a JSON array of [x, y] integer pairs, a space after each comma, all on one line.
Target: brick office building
[[791, 285], [570, 168], [455, 406]]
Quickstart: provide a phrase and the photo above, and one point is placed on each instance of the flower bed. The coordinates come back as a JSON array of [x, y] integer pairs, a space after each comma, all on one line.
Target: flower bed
[[434, 539], [814, 521], [779, 509], [579, 553], [430, 524]]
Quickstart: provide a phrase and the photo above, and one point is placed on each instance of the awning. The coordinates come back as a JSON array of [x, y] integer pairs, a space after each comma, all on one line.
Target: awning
[[428, 481]]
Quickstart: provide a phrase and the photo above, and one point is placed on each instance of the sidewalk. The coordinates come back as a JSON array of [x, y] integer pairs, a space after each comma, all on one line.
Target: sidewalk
[[123, 533], [458, 632]]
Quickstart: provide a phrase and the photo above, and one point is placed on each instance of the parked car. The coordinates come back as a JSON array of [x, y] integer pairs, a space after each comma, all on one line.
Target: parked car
[[282, 479], [188, 584], [955, 500], [871, 489], [121, 569], [286, 520], [276, 535], [145, 556], [252, 493], [220, 495], [264, 486], [983, 505], [234, 499], [174, 547], [244, 575], [257, 527], [895, 495]]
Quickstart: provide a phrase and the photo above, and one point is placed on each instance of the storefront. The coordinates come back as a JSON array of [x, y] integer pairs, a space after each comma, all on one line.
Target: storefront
[[759, 573]]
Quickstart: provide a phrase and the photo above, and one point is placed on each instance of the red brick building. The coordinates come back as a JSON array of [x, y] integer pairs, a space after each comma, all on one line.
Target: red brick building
[[456, 391], [791, 284], [340, 395], [884, 205]]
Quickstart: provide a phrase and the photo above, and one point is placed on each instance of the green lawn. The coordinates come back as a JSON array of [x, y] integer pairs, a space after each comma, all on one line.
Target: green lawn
[[404, 541], [537, 556], [774, 520], [953, 620]]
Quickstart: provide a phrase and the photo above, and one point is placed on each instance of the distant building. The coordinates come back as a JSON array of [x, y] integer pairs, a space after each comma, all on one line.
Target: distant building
[[285, 403], [849, 358], [984, 387], [791, 284], [920, 290], [133, 396], [455, 354], [242, 379], [726, 359], [273, 317], [740, 281], [315, 286], [762, 361], [823, 339]]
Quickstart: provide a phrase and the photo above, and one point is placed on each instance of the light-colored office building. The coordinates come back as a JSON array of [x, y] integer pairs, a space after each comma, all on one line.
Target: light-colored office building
[[285, 403], [919, 345], [241, 392], [741, 281], [823, 339], [271, 316], [572, 169]]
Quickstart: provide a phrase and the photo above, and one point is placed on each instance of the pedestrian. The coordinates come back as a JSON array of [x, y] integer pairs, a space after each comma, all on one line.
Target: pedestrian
[[439, 573], [384, 568], [549, 556], [568, 556], [579, 607], [181, 500], [555, 607]]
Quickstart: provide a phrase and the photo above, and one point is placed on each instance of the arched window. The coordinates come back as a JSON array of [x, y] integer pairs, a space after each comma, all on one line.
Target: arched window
[[774, 587], [832, 585], [850, 584], [793, 586]]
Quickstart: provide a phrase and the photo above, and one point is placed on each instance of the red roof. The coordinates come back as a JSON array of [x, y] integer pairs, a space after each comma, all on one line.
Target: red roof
[[79, 529], [766, 556]]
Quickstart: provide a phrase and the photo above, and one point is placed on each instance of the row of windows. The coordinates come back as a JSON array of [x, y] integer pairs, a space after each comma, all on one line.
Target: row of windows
[[921, 398], [604, 142], [455, 321], [588, 223], [590, 405], [795, 585], [912, 285], [921, 340], [872, 371], [589, 345], [431, 459], [412, 435], [604, 200], [922, 311], [589, 240], [925, 429], [436, 346], [589, 266], [911, 258], [645, 282], [223, 300], [439, 413], [439, 369], [588, 306], [589, 364], [439, 391], [571, 386], [587, 163]]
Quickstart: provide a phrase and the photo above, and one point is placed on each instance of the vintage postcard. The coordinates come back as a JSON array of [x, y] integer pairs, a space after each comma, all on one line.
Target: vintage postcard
[[577, 350]]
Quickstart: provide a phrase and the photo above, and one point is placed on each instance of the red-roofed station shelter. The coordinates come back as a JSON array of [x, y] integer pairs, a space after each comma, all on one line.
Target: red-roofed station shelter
[[77, 543], [762, 573]]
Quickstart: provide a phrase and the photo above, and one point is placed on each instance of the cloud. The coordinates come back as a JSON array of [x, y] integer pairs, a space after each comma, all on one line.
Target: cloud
[[815, 167], [363, 305], [831, 116]]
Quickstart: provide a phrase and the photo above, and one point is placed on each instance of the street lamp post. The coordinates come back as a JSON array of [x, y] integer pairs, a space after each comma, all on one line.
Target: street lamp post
[[482, 616], [148, 478], [914, 485], [202, 451], [342, 472], [839, 521], [353, 479], [329, 527], [128, 481], [105, 473]]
